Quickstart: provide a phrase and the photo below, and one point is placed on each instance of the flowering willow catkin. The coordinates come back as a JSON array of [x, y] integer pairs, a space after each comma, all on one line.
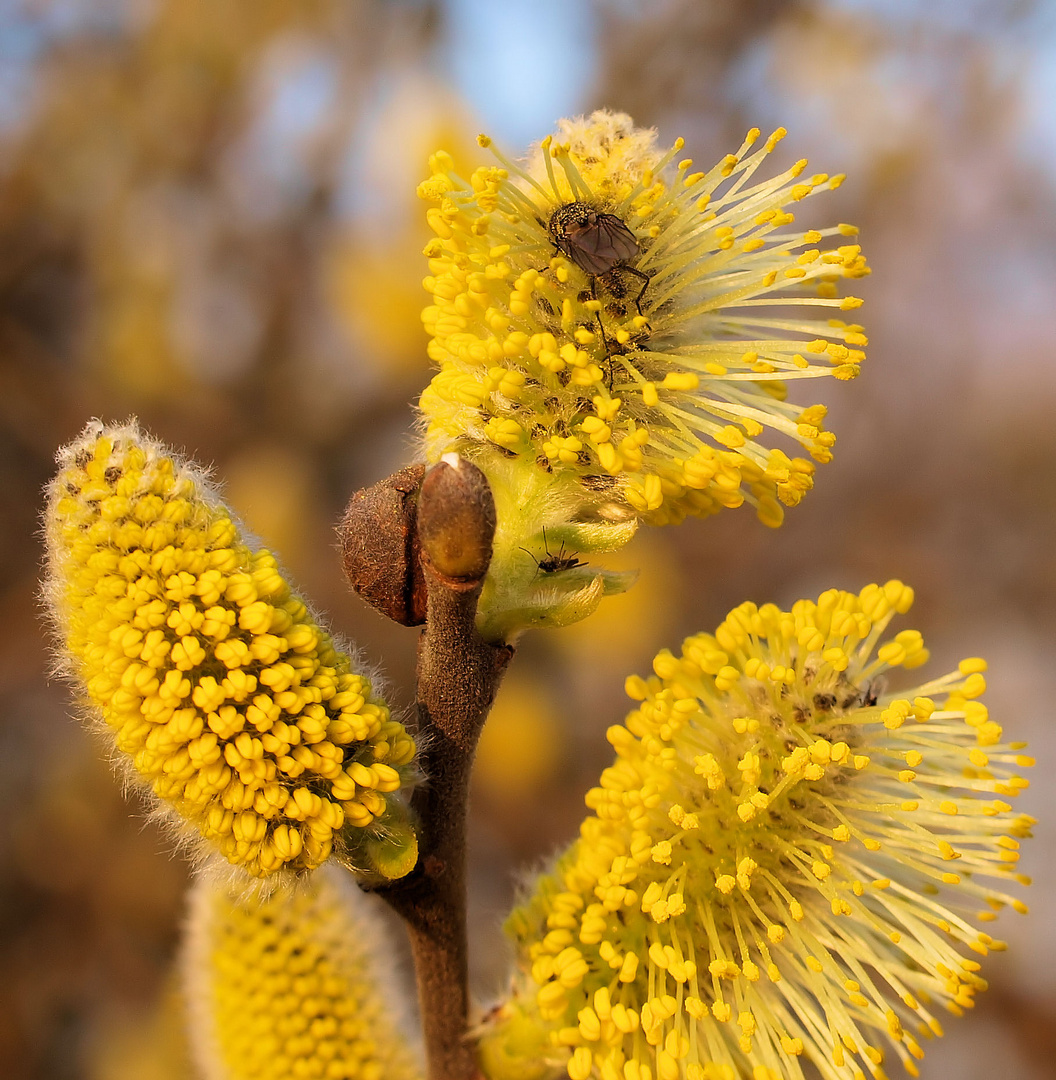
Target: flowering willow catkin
[[646, 376], [219, 690], [784, 861], [296, 984]]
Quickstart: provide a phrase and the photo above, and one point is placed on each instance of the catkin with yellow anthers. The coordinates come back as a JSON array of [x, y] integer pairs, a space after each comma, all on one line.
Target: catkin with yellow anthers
[[795, 859], [296, 984], [220, 691], [605, 314]]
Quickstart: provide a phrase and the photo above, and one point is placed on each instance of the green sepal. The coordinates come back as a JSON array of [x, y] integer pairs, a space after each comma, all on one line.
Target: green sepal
[[560, 601], [385, 850], [514, 1048], [546, 524]]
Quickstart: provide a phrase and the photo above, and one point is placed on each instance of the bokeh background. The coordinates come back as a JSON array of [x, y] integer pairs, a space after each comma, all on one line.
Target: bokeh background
[[208, 219]]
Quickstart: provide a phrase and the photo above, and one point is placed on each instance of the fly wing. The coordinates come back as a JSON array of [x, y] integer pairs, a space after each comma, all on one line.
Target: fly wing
[[620, 238], [597, 247]]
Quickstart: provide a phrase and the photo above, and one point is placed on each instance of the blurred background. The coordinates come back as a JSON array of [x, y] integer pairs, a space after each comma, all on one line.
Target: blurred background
[[208, 219]]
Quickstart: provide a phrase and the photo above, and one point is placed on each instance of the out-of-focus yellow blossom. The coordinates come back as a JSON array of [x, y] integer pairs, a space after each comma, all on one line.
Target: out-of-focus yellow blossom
[[784, 864], [522, 744], [294, 985], [276, 490], [602, 649], [376, 299], [645, 351], [219, 689]]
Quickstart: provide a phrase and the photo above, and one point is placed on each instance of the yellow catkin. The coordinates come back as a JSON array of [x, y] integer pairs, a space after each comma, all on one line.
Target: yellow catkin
[[544, 354], [297, 984], [220, 691], [825, 899]]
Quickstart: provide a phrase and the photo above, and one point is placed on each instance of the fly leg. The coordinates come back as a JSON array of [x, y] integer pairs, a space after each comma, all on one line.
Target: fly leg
[[644, 278], [609, 349]]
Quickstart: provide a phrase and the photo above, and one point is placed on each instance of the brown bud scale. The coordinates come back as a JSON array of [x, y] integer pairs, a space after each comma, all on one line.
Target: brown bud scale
[[379, 546], [456, 521]]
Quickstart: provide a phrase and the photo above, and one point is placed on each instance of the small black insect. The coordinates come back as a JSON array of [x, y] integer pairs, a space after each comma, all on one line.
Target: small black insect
[[857, 697], [600, 244], [603, 247], [551, 564], [597, 243]]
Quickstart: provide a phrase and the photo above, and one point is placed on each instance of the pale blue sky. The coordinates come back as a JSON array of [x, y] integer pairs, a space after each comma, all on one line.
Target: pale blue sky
[[520, 66]]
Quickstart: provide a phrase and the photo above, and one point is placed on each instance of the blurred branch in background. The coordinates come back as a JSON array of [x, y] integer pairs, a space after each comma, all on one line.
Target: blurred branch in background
[[208, 218]]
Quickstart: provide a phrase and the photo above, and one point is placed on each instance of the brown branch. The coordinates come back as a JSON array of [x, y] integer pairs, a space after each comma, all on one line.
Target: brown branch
[[458, 676]]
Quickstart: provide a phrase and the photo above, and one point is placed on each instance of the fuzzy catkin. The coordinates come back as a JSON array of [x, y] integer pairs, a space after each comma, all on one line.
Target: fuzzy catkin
[[219, 690]]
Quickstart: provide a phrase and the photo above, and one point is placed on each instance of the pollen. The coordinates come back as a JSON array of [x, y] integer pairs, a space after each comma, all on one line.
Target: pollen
[[220, 691], [663, 289], [284, 985], [816, 857]]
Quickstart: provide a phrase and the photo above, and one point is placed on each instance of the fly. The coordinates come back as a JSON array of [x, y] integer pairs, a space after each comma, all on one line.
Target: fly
[[602, 246], [552, 564]]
